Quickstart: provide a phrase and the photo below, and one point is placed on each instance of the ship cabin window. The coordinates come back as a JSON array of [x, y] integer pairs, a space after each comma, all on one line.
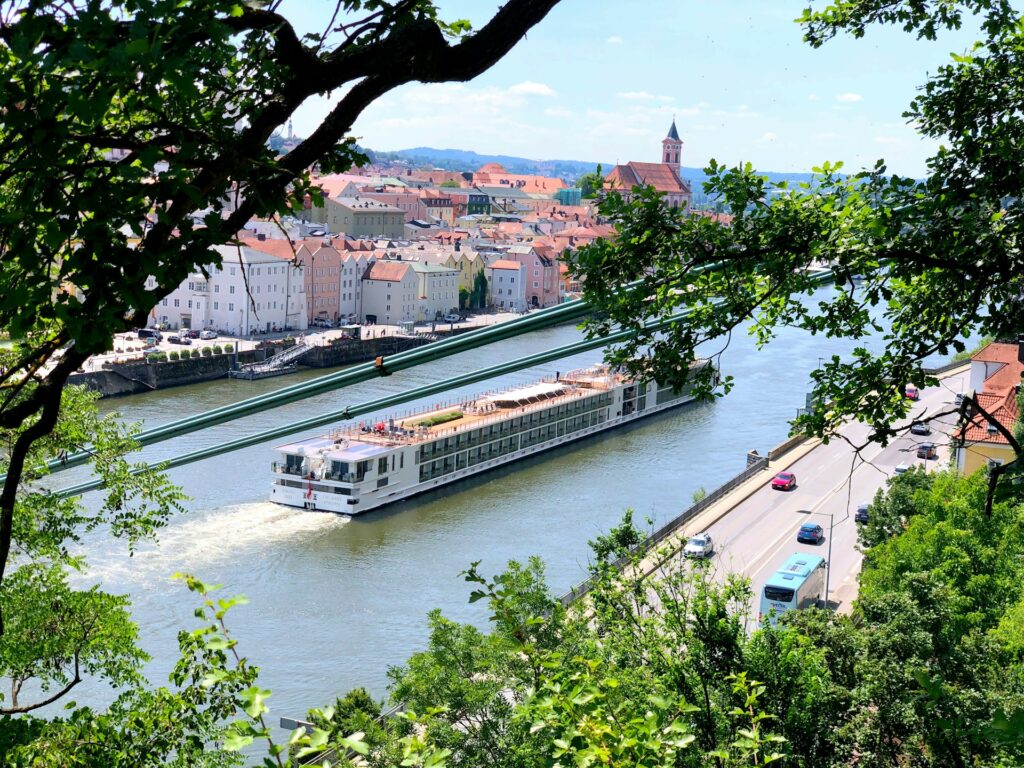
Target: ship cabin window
[[339, 469], [382, 465], [361, 469], [293, 464]]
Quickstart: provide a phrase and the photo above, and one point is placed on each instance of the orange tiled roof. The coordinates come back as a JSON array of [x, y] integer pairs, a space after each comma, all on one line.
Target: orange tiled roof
[[283, 249], [506, 264], [1003, 407], [392, 271], [661, 176]]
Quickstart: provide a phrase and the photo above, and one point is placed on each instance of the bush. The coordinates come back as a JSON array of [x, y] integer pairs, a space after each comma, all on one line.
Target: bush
[[172, 355], [207, 352], [229, 348], [441, 418], [217, 350], [195, 353]]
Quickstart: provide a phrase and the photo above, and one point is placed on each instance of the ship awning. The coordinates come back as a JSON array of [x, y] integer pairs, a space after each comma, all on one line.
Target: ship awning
[[534, 393], [357, 452], [311, 444]]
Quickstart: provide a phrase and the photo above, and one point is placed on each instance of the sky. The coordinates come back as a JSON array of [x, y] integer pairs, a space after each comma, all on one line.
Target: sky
[[601, 80]]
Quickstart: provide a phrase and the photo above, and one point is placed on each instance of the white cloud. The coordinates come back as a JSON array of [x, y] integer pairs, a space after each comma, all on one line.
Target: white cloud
[[849, 97], [614, 40], [558, 112], [637, 96], [530, 88], [766, 137], [813, 97]]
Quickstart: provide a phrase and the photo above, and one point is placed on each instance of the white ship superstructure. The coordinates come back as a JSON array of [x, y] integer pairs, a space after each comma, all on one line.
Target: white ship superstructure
[[366, 466]]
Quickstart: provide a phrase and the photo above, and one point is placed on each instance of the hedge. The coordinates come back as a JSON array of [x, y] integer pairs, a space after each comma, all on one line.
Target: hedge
[[441, 418]]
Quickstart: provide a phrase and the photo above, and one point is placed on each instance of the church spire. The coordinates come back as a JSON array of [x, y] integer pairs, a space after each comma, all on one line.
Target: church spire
[[672, 132], [672, 148]]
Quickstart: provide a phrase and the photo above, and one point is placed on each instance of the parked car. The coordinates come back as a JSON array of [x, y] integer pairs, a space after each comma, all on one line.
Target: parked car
[[207, 335], [912, 392], [322, 323], [920, 428], [180, 340], [190, 334], [901, 468], [149, 333], [861, 515], [149, 342], [699, 546], [784, 481], [926, 451], [810, 533], [450, 318]]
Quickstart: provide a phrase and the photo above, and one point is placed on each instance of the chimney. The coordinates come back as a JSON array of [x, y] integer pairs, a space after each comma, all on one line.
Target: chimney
[[261, 236], [458, 244]]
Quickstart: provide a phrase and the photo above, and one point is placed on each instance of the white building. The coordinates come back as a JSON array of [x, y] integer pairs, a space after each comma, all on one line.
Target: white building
[[250, 292], [353, 267], [438, 291], [506, 281], [390, 292]]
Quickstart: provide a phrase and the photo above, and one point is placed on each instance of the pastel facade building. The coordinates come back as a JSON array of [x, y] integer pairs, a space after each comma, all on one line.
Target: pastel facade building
[[542, 275], [506, 281], [438, 288]]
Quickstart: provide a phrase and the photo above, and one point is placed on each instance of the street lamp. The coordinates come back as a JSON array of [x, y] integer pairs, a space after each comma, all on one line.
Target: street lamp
[[828, 563]]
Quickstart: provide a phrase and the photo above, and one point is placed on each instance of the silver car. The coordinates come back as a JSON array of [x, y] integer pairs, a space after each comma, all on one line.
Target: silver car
[[699, 546]]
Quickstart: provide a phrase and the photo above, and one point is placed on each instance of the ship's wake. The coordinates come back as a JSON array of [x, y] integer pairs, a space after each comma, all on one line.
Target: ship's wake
[[258, 532]]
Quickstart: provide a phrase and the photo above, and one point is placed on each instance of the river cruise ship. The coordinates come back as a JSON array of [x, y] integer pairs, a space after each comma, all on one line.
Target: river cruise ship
[[369, 465]]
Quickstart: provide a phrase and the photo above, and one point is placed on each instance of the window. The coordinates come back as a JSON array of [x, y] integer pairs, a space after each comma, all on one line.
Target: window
[[216, 305], [231, 289], [231, 307], [165, 302], [176, 302], [216, 289]]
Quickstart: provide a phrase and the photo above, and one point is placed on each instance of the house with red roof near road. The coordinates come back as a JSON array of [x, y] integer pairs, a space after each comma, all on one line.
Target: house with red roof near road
[[665, 176], [995, 380]]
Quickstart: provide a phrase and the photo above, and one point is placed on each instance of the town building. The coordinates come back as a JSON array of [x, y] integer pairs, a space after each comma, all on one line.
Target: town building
[[251, 292], [390, 289], [360, 217], [542, 275], [665, 177], [506, 281], [438, 291], [995, 379]]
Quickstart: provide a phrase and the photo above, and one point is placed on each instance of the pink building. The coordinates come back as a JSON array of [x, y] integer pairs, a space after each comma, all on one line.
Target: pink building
[[542, 277], [322, 267]]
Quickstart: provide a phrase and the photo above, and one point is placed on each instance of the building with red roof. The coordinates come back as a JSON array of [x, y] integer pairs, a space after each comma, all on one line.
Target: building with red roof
[[996, 374], [665, 177]]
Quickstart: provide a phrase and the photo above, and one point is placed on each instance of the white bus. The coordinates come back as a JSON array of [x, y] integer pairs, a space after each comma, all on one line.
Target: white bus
[[799, 583]]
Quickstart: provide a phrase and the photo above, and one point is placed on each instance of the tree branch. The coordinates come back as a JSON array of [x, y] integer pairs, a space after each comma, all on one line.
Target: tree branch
[[49, 700]]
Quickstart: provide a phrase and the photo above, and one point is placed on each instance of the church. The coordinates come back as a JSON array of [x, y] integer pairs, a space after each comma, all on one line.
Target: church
[[665, 176]]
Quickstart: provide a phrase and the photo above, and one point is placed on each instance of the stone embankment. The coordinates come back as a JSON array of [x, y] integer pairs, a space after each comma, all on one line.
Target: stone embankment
[[140, 375]]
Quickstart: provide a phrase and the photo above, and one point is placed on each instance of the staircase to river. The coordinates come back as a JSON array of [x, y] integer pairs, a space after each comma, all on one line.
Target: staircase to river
[[283, 362]]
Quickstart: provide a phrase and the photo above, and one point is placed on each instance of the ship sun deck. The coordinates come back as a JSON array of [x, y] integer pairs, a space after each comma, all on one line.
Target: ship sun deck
[[482, 410]]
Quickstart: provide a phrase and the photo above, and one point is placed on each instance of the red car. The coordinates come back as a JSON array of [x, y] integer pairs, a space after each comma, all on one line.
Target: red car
[[784, 481], [911, 392]]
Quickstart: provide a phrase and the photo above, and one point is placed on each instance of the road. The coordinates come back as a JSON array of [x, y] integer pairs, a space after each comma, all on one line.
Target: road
[[759, 533]]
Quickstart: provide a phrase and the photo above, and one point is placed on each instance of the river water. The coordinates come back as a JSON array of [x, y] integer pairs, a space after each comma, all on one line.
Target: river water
[[333, 601]]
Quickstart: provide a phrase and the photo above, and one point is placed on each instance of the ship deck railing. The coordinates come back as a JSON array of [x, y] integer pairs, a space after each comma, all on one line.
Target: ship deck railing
[[479, 416]]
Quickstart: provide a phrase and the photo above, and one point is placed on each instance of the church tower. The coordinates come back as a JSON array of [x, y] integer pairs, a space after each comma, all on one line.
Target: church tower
[[672, 149]]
